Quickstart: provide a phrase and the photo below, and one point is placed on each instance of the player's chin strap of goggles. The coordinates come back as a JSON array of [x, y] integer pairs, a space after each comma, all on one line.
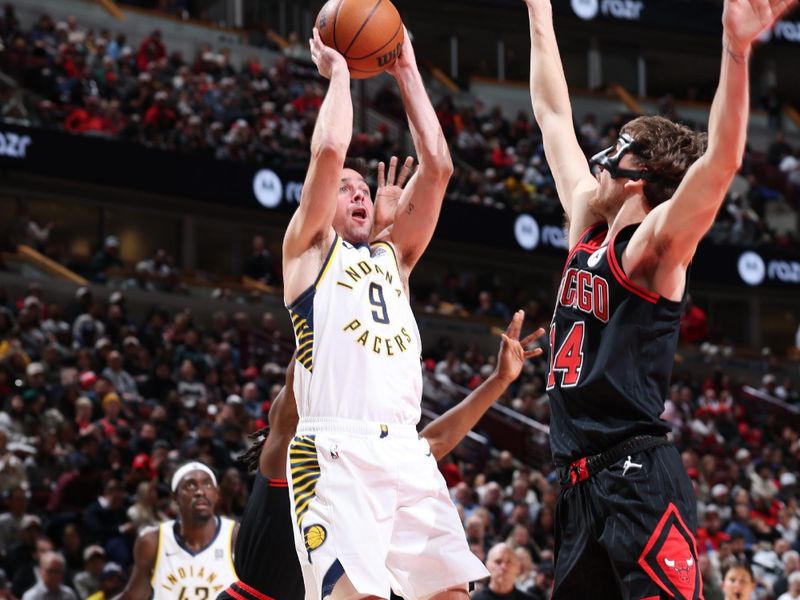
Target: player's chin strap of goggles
[[610, 157]]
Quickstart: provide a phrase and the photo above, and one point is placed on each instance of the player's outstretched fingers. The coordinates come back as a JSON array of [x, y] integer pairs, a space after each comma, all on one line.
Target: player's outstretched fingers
[[515, 326], [405, 171], [381, 173], [390, 177], [532, 337]]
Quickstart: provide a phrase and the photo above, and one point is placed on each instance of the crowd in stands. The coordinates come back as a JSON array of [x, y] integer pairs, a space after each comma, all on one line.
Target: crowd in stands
[[98, 409], [98, 83]]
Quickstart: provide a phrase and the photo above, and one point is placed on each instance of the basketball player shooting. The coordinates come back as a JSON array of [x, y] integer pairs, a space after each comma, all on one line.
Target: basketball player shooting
[[263, 565], [371, 510], [625, 519], [191, 557]]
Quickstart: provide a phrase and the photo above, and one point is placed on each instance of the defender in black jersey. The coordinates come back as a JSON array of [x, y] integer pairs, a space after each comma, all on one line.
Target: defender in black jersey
[[625, 519], [264, 556]]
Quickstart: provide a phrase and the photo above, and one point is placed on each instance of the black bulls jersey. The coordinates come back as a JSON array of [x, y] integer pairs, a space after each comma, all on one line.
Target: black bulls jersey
[[612, 346]]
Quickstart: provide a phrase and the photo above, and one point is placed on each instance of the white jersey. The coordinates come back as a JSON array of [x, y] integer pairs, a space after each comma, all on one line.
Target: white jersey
[[181, 575], [358, 346]]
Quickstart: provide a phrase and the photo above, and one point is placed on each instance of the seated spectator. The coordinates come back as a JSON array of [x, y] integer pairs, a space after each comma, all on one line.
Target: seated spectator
[[11, 521], [51, 580], [104, 259], [793, 593], [112, 582], [504, 568], [87, 582], [122, 381], [258, 264]]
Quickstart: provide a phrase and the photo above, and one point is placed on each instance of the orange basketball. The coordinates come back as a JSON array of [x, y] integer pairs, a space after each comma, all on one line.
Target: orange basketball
[[368, 33]]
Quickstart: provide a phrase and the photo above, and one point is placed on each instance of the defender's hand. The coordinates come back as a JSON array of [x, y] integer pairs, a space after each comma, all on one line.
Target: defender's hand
[[744, 20], [390, 188], [512, 353], [325, 57]]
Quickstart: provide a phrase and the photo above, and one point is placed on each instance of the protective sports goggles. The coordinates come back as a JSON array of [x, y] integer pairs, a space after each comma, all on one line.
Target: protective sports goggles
[[610, 157]]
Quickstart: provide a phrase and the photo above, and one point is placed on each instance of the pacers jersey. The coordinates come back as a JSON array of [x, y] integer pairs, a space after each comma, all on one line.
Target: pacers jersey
[[183, 575], [612, 345], [358, 346]]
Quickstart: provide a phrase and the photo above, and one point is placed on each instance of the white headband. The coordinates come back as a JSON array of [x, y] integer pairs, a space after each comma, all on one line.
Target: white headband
[[188, 467]]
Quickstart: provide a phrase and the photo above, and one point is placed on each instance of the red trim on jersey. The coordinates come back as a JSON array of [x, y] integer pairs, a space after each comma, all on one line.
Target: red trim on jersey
[[583, 235], [233, 593], [622, 278], [281, 483], [651, 598], [252, 591]]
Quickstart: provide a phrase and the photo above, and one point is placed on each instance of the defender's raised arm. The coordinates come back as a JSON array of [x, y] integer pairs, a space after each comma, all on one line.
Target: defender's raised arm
[[553, 111]]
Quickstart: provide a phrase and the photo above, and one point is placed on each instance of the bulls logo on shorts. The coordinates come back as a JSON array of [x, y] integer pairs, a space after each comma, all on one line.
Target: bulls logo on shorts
[[670, 557]]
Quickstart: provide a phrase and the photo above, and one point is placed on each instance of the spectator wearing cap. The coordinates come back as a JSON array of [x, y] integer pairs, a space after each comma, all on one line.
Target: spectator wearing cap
[[87, 582], [88, 327], [51, 580], [104, 259], [710, 535], [122, 381], [111, 420], [11, 520], [543, 581], [112, 582], [12, 470], [504, 568]]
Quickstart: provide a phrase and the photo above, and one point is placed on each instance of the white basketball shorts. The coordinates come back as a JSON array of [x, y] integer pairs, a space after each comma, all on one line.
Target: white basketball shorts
[[368, 501]]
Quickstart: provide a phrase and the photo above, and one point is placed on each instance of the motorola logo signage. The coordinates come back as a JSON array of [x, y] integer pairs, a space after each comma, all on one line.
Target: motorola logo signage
[[586, 9], [754, 271], [526, 230], [788, 31], [629, 10], [752, 268], [530, 235], [13, 145], [269, 190]]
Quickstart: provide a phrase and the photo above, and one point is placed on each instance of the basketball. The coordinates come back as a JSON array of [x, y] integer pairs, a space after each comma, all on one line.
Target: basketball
[[367, 33]]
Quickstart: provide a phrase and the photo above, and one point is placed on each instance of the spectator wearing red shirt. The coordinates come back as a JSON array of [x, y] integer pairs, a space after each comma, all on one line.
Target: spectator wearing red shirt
[[160, 117], [151, 49], [694, 324], [710, 536]]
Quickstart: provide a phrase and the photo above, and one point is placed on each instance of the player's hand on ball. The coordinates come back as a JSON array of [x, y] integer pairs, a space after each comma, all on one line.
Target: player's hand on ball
[[744, 20], [407, 59], [325, 57], [513, 353]]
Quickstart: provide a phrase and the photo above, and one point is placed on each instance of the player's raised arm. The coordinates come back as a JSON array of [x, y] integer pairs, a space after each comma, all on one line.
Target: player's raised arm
[[445, 432], [553, 112], [311, 224], [144, 561], [418, 210], [670, 233]]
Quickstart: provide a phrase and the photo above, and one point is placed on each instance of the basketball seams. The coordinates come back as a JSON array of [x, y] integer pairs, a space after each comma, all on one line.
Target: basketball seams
[[360, 29], [335, 19], [391, 41]]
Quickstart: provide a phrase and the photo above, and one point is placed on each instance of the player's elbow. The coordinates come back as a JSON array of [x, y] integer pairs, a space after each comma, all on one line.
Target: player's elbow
[[329, 148], [438, 169]]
